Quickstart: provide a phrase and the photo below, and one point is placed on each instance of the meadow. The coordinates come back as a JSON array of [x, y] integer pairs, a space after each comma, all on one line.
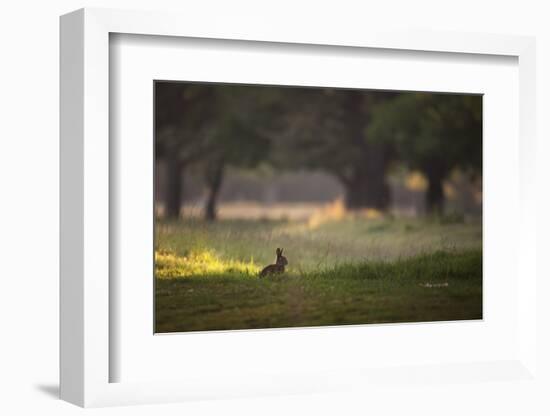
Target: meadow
[[354, 270]]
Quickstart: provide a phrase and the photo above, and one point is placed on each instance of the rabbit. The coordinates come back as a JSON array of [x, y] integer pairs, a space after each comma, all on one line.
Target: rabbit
[[278, 267]]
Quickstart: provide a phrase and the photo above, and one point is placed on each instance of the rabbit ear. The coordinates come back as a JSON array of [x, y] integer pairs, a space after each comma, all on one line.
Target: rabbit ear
[[281, 251], [278, 251]]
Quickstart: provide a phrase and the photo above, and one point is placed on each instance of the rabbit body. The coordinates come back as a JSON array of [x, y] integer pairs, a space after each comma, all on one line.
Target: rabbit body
[[278, 267]]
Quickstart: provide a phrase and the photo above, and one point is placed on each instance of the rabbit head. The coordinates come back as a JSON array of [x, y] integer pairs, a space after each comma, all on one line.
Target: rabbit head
[[281, 260]]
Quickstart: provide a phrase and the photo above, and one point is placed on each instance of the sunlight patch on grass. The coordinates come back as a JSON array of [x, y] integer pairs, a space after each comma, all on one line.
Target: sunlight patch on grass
[[203, 263]]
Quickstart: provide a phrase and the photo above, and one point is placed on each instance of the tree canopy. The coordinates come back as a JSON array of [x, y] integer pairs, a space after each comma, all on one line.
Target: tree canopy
[[433, 133], [355, 135]]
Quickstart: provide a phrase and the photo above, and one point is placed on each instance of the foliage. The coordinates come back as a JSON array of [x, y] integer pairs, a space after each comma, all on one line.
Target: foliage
[[326, 129], [355, 135], [425, 127], [433, 133], [208, 127]]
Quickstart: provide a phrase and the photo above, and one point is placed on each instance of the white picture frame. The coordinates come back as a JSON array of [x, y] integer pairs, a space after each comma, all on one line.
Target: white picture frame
[[85, 353]]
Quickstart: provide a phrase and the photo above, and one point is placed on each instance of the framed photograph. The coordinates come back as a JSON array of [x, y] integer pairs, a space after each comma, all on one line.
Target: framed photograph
[[348, 184], [271, 212]]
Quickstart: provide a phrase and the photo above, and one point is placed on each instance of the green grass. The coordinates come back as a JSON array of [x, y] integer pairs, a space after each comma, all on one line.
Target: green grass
[[353, 271]]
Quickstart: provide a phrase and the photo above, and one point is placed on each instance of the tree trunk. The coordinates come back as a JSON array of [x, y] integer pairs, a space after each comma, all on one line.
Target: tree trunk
[[173, 190], [368, 187], [435, 198], [214, 182], [376, 165]]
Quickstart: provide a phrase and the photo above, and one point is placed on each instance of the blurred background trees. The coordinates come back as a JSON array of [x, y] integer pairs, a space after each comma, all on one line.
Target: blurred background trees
[[358, 138], [434, 133], [327, 130]]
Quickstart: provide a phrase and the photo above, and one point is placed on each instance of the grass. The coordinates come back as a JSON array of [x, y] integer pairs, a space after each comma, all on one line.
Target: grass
[[353, 271]]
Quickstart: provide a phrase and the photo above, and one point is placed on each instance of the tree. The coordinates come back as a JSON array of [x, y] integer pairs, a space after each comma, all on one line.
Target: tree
[[181, 122], [434, 133], [327, 129], [238, 119], [208, 127]]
